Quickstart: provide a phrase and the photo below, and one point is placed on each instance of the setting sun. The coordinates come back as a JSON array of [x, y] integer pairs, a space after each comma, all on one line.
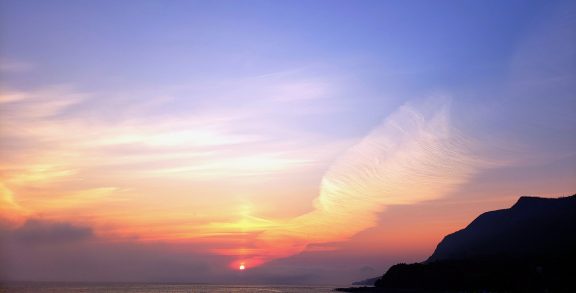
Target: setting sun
[[242, 267]]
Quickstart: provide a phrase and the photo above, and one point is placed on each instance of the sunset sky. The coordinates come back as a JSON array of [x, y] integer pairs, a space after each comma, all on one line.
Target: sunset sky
[[310, 141]]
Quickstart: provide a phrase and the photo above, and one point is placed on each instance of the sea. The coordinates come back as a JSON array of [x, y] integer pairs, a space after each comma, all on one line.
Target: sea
[[37, 287]]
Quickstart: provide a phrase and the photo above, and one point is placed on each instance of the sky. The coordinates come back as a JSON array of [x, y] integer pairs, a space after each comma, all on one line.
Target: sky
[[312, 142]]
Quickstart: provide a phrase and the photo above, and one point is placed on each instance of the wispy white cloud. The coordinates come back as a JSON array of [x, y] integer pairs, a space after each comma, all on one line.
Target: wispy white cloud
[[415, 155], [62, 145]]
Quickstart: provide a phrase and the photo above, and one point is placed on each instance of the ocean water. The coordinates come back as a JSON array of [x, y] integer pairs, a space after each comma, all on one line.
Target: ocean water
[[155, 288]]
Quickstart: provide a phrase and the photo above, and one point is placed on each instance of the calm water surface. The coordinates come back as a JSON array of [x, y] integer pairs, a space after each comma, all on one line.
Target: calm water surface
[[155, 288]]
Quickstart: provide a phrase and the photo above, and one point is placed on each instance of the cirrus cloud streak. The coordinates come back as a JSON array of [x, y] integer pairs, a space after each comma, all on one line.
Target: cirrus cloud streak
[[415, 155]]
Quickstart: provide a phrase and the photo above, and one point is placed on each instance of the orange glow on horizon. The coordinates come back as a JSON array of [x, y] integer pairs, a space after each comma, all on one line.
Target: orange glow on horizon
[[230, 193], [376, 172]]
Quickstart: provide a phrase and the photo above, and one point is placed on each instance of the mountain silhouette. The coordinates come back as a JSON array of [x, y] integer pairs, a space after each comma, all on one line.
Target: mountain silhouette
[[532, 228], [530, 247]]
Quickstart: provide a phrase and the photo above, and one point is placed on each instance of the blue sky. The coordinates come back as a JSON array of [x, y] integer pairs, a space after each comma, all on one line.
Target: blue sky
[[110, 44], [385, 52]]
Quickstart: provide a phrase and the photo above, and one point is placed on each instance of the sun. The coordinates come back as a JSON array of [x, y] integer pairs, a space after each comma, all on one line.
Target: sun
[[242, 267]]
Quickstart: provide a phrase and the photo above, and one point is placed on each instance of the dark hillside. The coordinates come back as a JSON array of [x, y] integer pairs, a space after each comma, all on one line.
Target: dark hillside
[[530, 247]]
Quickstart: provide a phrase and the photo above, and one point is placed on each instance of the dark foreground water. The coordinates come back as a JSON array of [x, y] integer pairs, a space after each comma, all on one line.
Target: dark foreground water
[[155, 288]]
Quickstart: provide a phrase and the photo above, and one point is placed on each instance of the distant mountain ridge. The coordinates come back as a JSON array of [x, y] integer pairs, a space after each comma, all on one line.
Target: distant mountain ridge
[[367, 282], [530, 247], [533, 227]]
